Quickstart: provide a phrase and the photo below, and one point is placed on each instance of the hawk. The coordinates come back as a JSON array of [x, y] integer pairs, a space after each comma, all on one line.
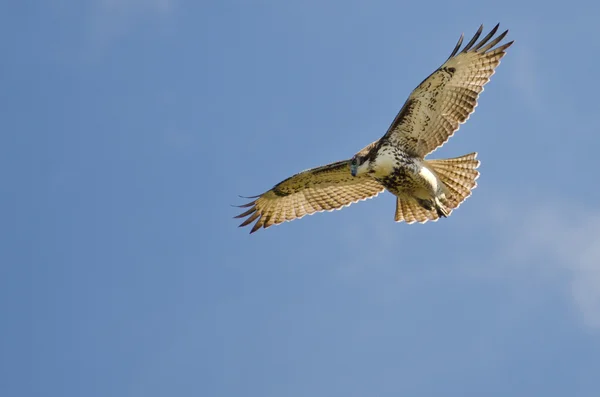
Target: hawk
[[425, 189]]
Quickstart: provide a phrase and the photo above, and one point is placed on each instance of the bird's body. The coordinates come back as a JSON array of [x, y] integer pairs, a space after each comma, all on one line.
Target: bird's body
[[403, 175], [411, 178], [425, 189]]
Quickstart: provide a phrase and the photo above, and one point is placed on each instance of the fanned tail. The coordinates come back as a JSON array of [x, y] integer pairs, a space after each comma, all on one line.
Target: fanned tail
[[458, 174]]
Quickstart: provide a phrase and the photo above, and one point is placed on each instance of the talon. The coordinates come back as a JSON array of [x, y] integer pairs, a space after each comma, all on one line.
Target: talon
[[442, 213], [441, 209]]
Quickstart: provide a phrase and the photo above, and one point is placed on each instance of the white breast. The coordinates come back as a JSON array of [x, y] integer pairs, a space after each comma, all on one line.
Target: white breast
[[384, 163]]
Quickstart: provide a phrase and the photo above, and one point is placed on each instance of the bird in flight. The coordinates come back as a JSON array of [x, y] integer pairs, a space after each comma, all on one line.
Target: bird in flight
[[425, 189]]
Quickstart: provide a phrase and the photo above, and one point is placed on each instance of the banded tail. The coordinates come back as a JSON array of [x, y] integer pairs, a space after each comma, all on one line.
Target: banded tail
[[458, 174]]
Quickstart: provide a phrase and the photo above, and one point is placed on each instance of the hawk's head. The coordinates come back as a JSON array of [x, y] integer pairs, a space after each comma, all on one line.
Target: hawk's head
[[358, 165]]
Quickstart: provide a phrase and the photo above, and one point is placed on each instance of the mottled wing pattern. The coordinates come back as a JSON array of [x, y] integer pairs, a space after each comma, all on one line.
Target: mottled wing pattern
[[444, 100], [325, 188]]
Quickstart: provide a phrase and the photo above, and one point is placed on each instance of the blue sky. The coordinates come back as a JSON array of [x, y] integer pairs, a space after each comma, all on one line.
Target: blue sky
[[129, 127]]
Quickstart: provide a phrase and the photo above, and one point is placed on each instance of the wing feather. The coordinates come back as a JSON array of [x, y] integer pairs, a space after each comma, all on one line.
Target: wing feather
[[442, 102], [325, 188], [473, 40], [460, 40]]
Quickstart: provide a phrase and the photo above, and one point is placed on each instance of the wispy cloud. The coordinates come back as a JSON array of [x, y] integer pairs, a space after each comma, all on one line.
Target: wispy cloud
[[551, 245], [556, 247], [565, 237]]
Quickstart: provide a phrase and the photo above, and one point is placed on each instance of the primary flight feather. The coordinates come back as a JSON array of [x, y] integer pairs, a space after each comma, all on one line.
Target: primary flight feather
[[425, 189]]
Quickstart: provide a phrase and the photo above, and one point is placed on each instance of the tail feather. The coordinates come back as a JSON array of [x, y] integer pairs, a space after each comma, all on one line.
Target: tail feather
[[410, 211], [458, 175]]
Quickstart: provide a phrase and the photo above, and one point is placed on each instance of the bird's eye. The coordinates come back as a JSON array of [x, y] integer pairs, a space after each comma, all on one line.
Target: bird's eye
[[354, 161]]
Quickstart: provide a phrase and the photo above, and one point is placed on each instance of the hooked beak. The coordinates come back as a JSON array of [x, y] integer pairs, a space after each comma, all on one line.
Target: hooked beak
[[353, 171]]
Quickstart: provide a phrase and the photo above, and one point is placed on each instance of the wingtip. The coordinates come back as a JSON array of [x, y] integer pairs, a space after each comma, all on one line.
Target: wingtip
[[473, 40], [249, 197], [255, 228], [245, 205], [457, 46], [251, 231]]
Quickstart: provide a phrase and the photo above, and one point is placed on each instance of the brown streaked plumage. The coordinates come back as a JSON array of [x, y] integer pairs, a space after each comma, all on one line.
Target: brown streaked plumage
[[426, 189], [327, 188], [446, 99]]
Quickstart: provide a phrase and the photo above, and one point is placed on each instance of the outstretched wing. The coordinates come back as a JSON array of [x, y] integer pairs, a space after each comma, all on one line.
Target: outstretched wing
[[444, 100], [325, 188]]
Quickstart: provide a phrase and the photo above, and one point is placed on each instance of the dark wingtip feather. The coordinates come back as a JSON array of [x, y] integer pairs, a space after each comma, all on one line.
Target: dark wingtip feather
[[494, 42], [486, 38], [250, 197], [251, 219], [244, 205], [457, 47], [505, 46], [250, 211], [473, 40], [256, 226]]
